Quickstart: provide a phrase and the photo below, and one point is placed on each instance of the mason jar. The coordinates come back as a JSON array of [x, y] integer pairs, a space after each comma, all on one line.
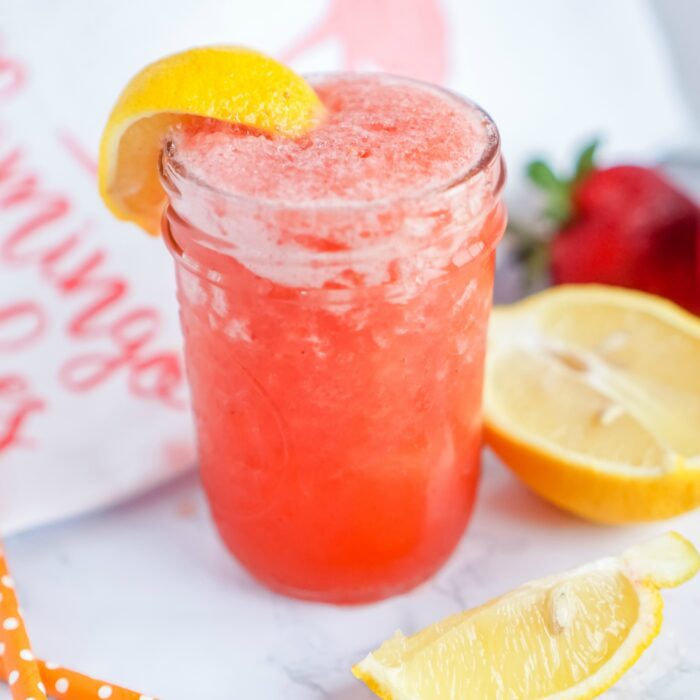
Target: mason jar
[[335, 354]]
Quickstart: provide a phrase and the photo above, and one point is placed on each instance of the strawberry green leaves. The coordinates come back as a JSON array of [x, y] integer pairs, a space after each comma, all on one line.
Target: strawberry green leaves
[[559, 189]]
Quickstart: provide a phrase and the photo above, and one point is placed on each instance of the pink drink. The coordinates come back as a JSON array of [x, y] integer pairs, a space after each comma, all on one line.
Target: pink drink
[[334, 295]]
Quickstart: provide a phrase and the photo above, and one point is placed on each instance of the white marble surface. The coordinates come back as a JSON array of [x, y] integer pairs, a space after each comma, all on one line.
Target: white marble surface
[[145, 595]]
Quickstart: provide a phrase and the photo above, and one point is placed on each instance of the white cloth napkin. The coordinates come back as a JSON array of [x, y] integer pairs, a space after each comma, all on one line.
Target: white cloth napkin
[[93, 403]]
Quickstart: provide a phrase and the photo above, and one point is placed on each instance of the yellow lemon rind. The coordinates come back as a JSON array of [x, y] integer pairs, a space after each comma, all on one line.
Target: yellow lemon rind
[[589, 489], [665, 561], [226, 83], [597, 490]]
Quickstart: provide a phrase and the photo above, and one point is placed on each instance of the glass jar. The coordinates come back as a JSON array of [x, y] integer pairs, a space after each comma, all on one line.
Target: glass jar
[[337, 387]]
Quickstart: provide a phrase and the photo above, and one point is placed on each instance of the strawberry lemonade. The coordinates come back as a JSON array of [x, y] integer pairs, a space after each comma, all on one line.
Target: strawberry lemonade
[[334, 292]]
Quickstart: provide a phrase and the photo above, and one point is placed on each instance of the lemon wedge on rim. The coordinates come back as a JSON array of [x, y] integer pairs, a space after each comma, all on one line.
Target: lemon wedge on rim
[[227, 83], [565, 637]]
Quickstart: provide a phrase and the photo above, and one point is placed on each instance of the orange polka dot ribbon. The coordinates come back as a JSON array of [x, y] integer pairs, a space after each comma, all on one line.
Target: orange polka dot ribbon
[[32, 679], [23, 673], [65, 684]]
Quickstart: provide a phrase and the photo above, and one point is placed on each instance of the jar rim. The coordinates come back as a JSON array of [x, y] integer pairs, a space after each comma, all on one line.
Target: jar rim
[[173, 170]]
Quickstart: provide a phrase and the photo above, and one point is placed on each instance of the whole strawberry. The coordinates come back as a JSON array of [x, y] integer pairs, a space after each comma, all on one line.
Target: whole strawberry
[[626, 226]]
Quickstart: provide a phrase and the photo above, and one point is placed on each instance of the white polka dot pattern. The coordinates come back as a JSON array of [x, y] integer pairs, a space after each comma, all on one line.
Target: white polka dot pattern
[[17, 660], [27, 677], [10, 623], [70, 685]]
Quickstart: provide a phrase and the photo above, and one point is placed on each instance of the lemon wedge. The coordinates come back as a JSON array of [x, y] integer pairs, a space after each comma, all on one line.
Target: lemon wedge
[[227, 83], [592, 398], [565, 637]]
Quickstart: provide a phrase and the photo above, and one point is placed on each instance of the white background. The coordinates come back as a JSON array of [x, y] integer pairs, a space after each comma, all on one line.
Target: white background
[[143, 594]]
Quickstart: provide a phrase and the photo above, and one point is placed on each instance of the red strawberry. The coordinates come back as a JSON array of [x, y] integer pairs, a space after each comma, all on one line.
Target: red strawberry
[[625, 226]]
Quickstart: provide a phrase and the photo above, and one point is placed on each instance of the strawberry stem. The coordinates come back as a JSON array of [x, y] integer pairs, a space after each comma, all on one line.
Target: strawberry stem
[[531, 248], [586, 162], [559, 189]]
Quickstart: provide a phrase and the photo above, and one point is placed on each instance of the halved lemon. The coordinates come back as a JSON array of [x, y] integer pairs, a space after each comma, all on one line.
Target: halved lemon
[[566, 637], [227, 83], [592, 398]]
